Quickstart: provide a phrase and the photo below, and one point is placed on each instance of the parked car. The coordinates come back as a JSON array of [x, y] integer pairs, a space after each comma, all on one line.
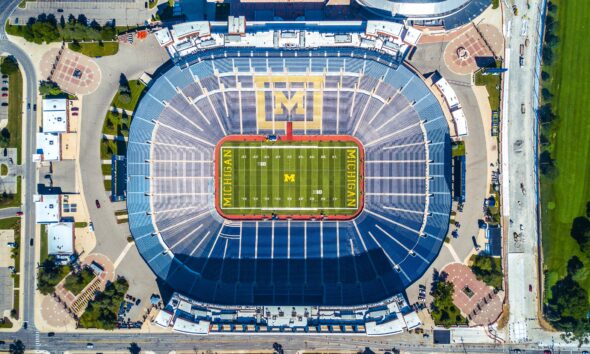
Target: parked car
[[4, 94], [4, 104], [91, 226], [75, 114], [19, 213], [74, 109], [5, 82], [97, 203], [4, 88], [11, 244], [89, 346], [531, 288]]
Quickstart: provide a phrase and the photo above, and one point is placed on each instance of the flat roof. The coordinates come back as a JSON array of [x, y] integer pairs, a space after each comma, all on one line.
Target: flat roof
[[48, 146], [60, 237], [55, 121], [54, 104], [47, 208]]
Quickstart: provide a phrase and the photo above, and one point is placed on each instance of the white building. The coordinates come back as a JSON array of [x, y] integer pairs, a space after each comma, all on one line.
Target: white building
[[55, 116], [47, 208], [48, 147], [60, 238]]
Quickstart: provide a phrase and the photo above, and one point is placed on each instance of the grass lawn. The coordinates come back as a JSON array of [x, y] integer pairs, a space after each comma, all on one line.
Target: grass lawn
[[564, 197], [16, 306], [5, 323], [95, 49], [137, 88], [116, 124], [75, 283], [108, 185], [493, 84], [80, 224], [23, 3], [110, 147], [3, 170], [15, 111], [458, 149], [106, 169], [44, 243]]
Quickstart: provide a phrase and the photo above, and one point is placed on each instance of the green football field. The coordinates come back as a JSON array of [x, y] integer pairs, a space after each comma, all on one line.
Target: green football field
[[288, 178]]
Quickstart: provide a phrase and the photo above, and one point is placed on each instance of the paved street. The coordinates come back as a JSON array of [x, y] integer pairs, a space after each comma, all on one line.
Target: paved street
[[520, 176]]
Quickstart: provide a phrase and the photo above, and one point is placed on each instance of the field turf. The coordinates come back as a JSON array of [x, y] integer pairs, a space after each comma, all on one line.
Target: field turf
[[565, 197], [288, 178]]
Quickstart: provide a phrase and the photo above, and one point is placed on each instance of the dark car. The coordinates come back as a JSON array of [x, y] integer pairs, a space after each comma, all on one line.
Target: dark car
[[35, 107], [19, 213], [25, 325], [28, 106], [74, 109], [4, 104], [50, 334], [97, 203], [60, 10], [31, 242], [530, 288]]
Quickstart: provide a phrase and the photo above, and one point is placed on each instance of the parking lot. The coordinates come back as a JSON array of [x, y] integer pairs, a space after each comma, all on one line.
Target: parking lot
[[4, 101], [6, 264]]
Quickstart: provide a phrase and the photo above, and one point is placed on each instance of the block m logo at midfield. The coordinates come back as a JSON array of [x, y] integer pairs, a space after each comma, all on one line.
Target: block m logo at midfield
[[282, 98]]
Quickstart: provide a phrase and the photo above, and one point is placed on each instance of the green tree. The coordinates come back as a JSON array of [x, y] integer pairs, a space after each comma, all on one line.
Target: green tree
[[49, 88], [4, 137], [569, 307], [75, 46], [44, 32], [9, 66], [17, 347], [580, 231]]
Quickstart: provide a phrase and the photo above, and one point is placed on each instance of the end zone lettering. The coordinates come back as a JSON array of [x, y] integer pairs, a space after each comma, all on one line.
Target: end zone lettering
[[351, 177], [226, 178]]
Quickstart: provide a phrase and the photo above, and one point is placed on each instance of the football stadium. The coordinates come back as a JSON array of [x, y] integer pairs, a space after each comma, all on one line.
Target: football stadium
[[289, 181]]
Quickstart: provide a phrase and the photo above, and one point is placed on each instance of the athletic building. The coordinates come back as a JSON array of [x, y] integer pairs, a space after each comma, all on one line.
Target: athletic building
[[292, 178]]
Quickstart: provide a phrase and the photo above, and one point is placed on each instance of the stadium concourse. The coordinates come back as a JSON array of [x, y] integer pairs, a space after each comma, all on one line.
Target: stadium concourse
[[360, 266]]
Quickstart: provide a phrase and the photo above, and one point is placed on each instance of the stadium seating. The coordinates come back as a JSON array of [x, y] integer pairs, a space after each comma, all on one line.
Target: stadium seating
[[172, 215]]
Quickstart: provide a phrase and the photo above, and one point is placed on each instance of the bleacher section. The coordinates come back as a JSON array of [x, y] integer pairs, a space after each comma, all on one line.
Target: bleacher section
[[367, 260]]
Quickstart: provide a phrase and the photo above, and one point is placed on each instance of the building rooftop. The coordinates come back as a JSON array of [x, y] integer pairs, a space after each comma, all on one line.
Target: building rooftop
[[48, 147], [47, 208], [60, 237], [55, 115]]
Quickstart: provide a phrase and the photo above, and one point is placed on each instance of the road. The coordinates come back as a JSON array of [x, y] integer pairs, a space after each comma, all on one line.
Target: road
[[519, 172], [29, 170], [8, 212]]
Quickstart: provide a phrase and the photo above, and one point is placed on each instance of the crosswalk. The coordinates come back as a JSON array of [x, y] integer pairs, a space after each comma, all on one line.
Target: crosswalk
[[37, 341]]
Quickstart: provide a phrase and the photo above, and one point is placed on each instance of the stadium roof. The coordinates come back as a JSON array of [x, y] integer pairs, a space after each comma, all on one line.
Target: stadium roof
[[451, 13], [354, 263]]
